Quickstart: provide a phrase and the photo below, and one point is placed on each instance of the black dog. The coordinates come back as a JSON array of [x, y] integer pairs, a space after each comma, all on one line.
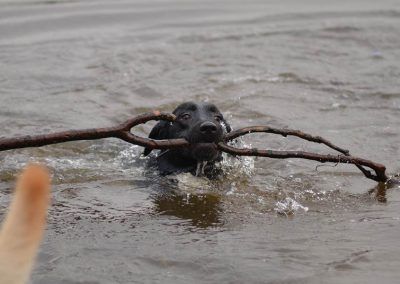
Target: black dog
[[203, 125]]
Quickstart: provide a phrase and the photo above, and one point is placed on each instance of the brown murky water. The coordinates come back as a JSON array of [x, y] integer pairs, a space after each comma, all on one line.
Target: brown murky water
[[330, 69]]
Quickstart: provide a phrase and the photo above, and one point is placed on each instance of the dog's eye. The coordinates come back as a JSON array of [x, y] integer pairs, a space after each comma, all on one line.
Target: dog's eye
[[185, 116], [218, 118]]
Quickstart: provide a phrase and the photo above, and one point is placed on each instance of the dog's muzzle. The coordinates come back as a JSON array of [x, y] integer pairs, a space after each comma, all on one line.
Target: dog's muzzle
[[204, 137]]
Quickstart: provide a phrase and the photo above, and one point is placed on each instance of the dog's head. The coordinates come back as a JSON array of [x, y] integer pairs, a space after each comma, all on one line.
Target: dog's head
[[202, 124]]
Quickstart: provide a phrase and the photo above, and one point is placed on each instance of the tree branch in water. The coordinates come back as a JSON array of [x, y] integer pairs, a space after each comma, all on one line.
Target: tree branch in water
[[123, 131], [379, 169]]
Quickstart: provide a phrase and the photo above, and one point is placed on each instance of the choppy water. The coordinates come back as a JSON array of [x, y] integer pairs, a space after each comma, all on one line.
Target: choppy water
[[327, 68]]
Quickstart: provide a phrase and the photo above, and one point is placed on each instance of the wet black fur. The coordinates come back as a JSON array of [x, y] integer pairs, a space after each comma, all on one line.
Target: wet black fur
[[203, 125]]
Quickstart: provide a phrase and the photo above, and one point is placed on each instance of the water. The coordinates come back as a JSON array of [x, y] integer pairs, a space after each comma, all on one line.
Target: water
[[329, 69]]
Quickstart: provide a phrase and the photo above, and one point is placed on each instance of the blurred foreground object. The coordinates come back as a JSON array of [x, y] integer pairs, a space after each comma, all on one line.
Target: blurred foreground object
[[24, 224]]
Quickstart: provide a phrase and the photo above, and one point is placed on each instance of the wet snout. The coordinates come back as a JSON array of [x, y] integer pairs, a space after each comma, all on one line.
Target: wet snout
[[206, 132], [208, 127], [204, 136]]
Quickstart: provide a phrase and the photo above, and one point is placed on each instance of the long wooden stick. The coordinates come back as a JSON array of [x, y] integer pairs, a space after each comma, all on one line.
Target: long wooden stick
[[123, 131], [317, 139], [379, 169]]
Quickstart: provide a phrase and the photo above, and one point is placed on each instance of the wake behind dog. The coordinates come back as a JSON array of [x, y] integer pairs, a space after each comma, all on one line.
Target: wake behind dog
[[23, 227]]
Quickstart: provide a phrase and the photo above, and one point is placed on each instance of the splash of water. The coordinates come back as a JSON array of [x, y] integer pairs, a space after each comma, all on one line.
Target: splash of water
[[289, 206], [235, 165]]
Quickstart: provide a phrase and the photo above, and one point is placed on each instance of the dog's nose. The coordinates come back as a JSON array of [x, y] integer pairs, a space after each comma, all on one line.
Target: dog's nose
[[208, 127]]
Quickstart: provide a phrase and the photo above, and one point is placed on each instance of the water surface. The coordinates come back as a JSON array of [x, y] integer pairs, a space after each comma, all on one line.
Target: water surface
[[329, 69]]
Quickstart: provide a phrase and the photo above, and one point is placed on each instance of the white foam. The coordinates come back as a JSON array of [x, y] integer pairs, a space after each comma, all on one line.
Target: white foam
[[289, 206]]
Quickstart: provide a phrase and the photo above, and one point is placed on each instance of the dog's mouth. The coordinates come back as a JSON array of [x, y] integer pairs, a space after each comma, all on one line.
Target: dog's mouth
[[204, 151]]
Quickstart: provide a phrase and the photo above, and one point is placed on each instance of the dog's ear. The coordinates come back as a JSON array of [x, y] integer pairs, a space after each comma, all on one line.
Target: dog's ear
[[160, 131], [227, 125]]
